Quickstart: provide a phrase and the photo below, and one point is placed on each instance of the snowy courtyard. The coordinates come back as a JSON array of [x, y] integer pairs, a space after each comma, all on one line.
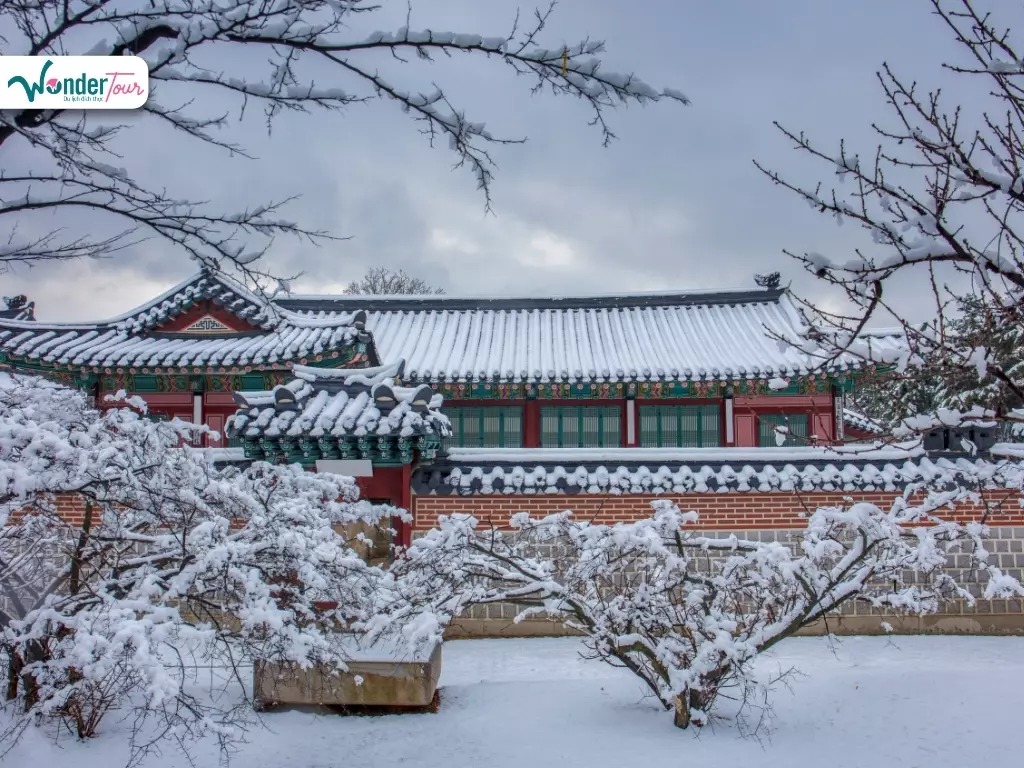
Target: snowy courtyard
[[940, 702]]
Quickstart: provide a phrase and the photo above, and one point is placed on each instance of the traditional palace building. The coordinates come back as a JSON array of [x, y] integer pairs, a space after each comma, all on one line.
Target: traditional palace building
[[441, 404], [598, 404]]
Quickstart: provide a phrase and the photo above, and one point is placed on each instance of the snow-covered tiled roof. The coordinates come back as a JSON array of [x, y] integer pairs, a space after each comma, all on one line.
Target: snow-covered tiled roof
[[623, 337], [357, 402], [861, 422], [657, 336], [129, 342], [111, 347], [1008, 450], [219, 289], [677, 471]]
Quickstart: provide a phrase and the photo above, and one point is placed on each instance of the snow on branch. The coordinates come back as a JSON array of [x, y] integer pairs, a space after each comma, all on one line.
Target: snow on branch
[[942, 202], [315, 61], [165, 566]]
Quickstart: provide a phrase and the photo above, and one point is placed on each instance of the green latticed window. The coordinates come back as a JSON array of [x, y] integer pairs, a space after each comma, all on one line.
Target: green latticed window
[[490, 426], [680, 426], [796, 423], [572, 426]]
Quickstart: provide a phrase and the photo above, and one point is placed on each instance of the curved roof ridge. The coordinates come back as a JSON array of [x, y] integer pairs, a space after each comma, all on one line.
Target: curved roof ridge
[[441, 302]]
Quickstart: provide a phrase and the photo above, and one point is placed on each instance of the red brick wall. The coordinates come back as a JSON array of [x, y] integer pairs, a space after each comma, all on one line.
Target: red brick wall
[[71, 507], [735, 511], [718, 511]]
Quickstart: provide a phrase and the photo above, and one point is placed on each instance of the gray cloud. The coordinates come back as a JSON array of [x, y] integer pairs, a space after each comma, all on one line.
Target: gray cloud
[[676, 202]]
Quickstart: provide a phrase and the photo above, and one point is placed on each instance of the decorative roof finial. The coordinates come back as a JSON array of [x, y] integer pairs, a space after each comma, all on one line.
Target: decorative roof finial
[[18, 308], [769, 282]]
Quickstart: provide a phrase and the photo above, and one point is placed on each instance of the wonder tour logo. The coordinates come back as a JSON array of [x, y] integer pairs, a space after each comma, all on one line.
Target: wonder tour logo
[[73, 82]]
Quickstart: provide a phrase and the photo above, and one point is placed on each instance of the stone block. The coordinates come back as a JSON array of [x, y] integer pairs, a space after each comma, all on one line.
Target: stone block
[[374, 678]]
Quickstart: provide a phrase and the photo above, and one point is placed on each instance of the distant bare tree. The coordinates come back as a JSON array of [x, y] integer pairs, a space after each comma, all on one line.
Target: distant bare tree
[[381, 281], [74, 158], [942, 197]]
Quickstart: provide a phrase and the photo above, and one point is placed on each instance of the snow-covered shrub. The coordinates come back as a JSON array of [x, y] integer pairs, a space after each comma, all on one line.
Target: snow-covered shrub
[[173, 565], [688, 613]]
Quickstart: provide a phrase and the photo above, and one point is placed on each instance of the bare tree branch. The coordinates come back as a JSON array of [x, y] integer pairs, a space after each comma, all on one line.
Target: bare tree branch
[[305, 43]]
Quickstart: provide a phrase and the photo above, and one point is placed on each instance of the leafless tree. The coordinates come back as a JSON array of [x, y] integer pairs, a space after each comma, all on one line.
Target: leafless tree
[[381, 281], [73, 155], [942, 198]]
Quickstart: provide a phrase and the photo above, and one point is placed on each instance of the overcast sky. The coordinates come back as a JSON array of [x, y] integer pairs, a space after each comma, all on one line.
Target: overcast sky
[[675, 203]]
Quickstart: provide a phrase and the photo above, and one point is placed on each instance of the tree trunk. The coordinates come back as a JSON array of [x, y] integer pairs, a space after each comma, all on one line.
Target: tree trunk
[[685, 704], [13, 674], [34, 651], [682, 713]]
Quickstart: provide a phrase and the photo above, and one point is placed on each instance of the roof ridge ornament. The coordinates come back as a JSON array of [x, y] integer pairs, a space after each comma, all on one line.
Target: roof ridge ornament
[[208, 324], [770, 281]]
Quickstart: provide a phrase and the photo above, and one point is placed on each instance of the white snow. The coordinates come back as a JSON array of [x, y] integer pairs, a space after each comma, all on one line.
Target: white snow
[[861, 422], [682, 470], [721, 342], [1009, 450], [467, 339], [350, 411], [675, 339], [222, 454], [940, 702]]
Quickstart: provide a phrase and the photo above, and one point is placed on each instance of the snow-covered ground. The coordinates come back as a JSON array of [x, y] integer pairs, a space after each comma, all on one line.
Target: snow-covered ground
[[934, 702]]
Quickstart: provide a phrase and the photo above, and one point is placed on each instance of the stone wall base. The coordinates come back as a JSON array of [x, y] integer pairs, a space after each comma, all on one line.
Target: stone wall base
[[937, 624], [955, 617]]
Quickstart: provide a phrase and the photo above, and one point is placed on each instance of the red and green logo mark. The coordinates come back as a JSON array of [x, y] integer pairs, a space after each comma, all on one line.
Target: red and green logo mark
[[81, 88]]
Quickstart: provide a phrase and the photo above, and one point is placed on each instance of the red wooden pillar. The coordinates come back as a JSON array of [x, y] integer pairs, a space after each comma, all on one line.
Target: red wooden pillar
[[531, 424], [837, 414], [404, 529], [630, 423]]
